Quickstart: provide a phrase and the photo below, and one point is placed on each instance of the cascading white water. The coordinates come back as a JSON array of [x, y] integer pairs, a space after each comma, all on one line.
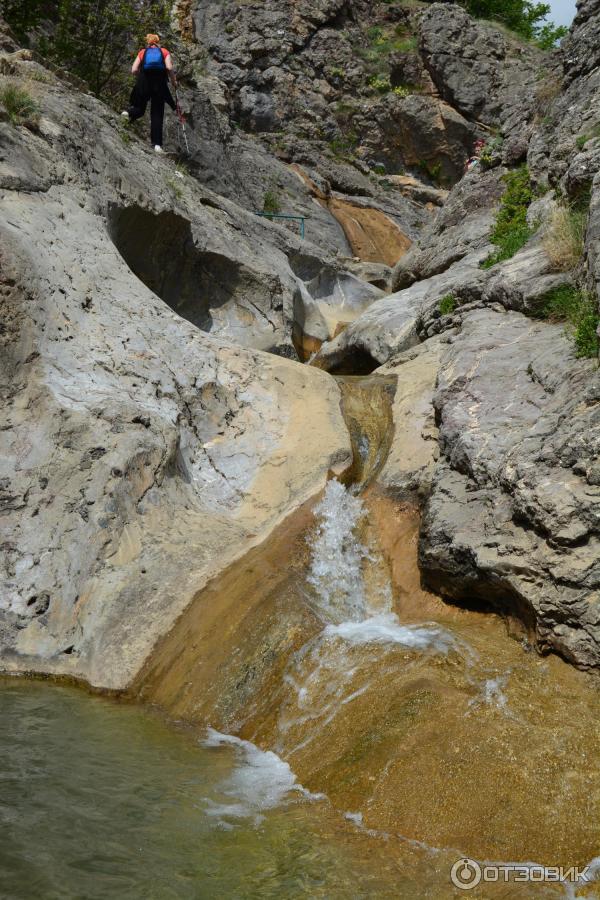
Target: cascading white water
[[336, 570], [337, 574], [361, 634]]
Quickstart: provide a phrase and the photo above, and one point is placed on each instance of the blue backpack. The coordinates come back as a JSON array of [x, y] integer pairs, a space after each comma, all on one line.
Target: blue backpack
[[153, 60]]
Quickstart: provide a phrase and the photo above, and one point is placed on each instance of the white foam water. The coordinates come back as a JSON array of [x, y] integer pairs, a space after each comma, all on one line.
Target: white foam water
[[260, 781], [386, 629], [336, 570], [336, 573]]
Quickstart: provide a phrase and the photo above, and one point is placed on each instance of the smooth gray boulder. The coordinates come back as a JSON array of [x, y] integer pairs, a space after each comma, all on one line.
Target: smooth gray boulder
[[392, 324]]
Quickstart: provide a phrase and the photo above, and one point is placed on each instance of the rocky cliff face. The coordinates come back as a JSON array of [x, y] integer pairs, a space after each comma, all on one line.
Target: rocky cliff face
[[143, 448], [511, 515], [154, 430]]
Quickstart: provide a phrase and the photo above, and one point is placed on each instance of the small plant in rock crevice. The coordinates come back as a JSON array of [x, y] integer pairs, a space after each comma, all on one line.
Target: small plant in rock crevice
[[125, 133], [579, 309], [549, 87], [433, 170], [490, 154], [174, 185], [511, 230], [582, 139], [20, 106], [447, 304], [345, 145], [271, 202], [380, 84]]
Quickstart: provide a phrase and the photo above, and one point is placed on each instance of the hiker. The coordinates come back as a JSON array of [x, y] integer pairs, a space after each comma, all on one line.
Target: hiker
[[474, 160], [153, 67]]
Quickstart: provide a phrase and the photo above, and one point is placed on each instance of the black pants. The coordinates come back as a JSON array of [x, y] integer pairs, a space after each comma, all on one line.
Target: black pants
[[153, 87]]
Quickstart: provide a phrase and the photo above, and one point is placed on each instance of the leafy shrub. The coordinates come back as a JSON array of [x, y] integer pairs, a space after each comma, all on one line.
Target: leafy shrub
[[401, 91], [526, 18], [511, 231], [490, 152], [380, 84], [579, 309], [20, 105], [447, 304], [549, 35], [271, 202], [563, 241]]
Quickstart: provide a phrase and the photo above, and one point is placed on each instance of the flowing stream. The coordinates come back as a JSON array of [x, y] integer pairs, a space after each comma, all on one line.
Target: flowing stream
[[383, 739]]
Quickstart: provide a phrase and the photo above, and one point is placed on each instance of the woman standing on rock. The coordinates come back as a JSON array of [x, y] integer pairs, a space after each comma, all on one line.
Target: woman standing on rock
[[153, 67]]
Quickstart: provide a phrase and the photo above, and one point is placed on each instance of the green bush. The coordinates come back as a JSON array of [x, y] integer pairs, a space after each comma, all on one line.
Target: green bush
[[579, 309], [271, 202], [380, 84], [382, 43], [447, 304], [511, 231], [525, 18], [19, 104], [401, 91]]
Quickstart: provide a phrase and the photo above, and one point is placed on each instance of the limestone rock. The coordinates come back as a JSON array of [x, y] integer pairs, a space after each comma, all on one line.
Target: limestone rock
[[413, 453], [141, 453], [486, 76], [391, 325], [462, 226], [512, 520]]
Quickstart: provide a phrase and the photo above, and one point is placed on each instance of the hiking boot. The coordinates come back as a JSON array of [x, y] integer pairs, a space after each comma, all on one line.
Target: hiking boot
[[158, 149]]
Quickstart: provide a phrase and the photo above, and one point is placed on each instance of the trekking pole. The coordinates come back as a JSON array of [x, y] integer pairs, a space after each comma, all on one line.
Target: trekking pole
[[181, 120]]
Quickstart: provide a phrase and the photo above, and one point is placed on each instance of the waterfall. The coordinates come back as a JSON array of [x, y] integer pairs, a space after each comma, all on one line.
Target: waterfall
[[337, 556], [338, 559]]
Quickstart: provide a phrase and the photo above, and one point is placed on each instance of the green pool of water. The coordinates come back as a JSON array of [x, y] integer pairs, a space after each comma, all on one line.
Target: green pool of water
[[100, 799]]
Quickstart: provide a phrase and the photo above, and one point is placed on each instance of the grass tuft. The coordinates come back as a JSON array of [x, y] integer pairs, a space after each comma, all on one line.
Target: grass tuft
[[20, 105], [271, 202], [563, 240], [579, 309]]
